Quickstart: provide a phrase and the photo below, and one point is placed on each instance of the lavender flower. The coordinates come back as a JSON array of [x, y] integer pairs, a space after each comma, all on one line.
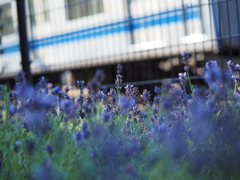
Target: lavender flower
[[235, 77], [118, 80], [21, 78], [95, 84], [185, 57], [81, 114], [119, 68], [156, 100], [25, 91], [80, 100], [12, 110], [167, 103], [124, 102], [108, 108], [211, 64], [112, 93], [43, 82], [131, 91], [145, 95], [78, 137], [182, 78], [80, 85], [231, 66], [157, 89], [212, 74], [41, 102], [89, 100], [99, 75], [67, 89], [100, 96], [177, 94], [136, 110], [88, 109], [13, 97], [162, 127], [57, 91], [107, 117], [67, 106]]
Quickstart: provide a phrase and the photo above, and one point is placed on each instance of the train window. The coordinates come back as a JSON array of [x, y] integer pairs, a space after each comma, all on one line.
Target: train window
[[46, 10], [81, 8], [6, 22], [31, 12]]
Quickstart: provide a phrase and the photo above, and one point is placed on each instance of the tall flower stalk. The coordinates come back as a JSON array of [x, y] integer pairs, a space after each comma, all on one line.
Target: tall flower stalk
[[183, 79], [185, 57], [234, 69], [118, 79]]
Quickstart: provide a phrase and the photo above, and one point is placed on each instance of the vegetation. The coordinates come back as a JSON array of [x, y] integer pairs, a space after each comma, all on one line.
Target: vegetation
[[46, 134]]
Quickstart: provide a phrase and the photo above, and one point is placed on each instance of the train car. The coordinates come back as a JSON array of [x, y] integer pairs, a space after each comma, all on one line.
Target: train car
[[70, 34]]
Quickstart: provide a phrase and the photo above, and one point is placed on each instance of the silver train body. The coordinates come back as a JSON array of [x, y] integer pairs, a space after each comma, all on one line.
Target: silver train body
[[120, 31]]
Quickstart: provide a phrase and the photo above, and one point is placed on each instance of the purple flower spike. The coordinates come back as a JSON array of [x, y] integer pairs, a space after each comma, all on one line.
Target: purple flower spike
[[231, 66], [100, 96], [57, 90], [156, 100], [119, 68], [212, 74], [185, 57], [99, 75], [157, 89], [21, 78], [145, 95], [12, 110], [131, 91], [108, 108], [182, 78], [136, 110], [94, 85], [80, 85], [125, 102], [78, 137], [43, 82], [107, 117], [211, 64], [112, 93], [67, 106]]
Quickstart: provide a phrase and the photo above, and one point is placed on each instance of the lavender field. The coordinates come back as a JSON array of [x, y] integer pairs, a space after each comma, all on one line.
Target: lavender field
[[172, 134]]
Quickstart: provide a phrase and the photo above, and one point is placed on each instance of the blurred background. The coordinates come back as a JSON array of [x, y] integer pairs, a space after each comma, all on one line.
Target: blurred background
[[68, 40]]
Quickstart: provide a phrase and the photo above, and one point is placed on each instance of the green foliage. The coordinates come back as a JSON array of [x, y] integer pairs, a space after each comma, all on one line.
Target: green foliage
[[49, 135]]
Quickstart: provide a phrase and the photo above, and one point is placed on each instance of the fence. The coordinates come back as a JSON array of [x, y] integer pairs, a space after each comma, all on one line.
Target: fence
[[73, 38]]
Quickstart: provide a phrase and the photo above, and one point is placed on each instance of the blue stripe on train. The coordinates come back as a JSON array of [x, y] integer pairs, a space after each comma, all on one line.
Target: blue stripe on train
[[117, 27]]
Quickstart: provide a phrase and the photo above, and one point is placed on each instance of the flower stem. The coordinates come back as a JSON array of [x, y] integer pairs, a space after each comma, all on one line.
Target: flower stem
[[184, 90], [235, 86], [189, 81]]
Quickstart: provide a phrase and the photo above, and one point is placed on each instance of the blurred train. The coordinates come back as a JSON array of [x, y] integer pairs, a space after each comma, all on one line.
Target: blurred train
[[71, 34]]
